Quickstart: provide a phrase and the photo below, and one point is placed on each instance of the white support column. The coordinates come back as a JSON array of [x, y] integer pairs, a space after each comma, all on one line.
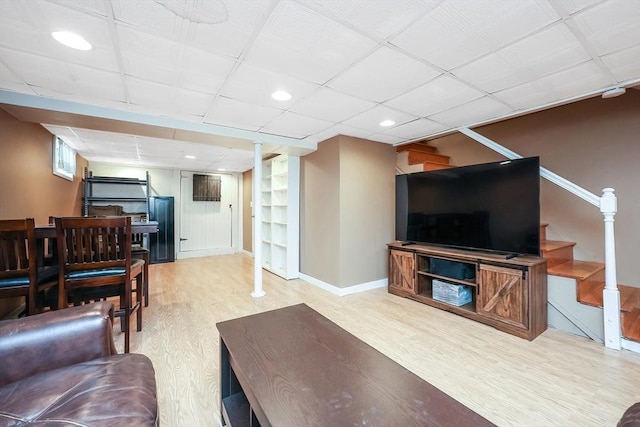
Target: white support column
[[257, 220], [610, 295]]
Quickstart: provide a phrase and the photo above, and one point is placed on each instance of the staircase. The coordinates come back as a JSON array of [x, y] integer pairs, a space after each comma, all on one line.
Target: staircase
[[423, 155], [581, 310], [589, 279]]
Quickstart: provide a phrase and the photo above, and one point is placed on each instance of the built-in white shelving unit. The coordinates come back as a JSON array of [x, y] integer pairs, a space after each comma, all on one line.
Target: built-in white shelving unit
[[281, 215]]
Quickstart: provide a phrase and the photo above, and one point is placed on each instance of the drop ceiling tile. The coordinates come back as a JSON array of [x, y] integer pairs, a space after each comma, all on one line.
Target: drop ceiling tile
[[339, 129], [241, 115], [252, 84], [611, 26], [387, 139], [149, 16], [90, 6], [379, 19], [625, 64], [148, 57], [295, 125], [394, 75], [456, 33], [304, 44], [437, 95], [437, 40], [203, 72], [9, 80], [476, 111], [30, 37], [573, 6], [170, 100], [371, 119], [582, 79], [416, 129], [64, 78], [232, 36], [543, 53], [331, 105]]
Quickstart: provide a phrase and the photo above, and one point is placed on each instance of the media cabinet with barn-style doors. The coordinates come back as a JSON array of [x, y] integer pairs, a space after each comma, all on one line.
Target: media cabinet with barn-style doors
[[508, 293]]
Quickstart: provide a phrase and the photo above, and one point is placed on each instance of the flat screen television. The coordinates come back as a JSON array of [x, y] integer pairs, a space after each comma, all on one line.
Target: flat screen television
[[489, 207]]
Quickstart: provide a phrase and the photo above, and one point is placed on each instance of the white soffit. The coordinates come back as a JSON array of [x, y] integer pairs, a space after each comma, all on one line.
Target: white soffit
[[394, 75]]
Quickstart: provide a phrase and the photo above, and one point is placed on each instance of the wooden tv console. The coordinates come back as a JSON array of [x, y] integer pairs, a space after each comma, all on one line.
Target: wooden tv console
[[508, 294]]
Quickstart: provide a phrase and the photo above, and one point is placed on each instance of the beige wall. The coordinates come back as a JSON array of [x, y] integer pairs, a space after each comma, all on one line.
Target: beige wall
[[346, 211], [28, 187], [319, 212], [247, 211], [162, 182], [594, 143]]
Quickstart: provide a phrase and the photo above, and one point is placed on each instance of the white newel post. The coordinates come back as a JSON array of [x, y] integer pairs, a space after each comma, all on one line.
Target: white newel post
[[257, 220], [611, 295]]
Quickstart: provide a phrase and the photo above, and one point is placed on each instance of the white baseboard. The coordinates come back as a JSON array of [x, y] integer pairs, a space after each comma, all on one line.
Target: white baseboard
[[246, 252], [630, 345], [382, 283], [206, 252]]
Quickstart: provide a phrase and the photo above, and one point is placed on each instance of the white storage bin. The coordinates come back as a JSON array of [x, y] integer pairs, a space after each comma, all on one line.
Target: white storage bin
[[451, 293]]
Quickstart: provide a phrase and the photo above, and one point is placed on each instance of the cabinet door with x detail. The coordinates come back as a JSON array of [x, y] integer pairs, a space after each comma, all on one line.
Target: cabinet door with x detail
[[402, 271], [503, 295]]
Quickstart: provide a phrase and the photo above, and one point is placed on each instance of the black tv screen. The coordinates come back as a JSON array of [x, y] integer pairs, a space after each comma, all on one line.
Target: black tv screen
[[491, 206]]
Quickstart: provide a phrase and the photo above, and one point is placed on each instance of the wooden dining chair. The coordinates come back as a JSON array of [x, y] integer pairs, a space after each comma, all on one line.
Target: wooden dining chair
[[95, 263], [19, 273], [139, 251]]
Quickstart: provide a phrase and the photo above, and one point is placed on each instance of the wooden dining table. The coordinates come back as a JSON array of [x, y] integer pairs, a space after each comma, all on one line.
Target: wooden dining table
[[49, 230]]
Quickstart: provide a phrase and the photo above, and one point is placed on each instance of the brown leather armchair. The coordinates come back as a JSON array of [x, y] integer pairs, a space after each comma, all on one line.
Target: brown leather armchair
[[62, 367]]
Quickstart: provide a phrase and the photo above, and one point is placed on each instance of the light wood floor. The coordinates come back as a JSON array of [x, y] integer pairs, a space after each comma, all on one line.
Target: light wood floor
[[556, 380]]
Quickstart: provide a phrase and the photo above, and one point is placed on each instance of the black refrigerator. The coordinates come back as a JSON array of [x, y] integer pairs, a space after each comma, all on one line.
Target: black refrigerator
[[162, 244]]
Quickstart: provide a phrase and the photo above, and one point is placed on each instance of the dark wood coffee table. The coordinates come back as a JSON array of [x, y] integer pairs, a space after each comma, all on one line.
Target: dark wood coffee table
[[294, 367]]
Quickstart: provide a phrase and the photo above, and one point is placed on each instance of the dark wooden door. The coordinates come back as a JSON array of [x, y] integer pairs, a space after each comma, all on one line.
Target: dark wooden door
[[162, 244]]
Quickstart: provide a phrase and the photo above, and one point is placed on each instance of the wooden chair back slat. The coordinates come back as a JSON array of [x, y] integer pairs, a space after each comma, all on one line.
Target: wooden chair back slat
[[18, 259]]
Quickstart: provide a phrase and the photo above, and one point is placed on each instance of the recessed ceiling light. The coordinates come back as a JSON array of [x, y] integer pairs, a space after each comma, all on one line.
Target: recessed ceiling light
[[281, 95], [71, 40], [189, 157], [221, 169], [387, 123]]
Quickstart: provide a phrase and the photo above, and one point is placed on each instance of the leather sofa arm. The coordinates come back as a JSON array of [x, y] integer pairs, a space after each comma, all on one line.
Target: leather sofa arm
[[55, 339]]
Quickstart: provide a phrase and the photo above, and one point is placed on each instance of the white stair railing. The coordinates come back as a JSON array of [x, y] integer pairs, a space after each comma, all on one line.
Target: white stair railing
[[608, 206]]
